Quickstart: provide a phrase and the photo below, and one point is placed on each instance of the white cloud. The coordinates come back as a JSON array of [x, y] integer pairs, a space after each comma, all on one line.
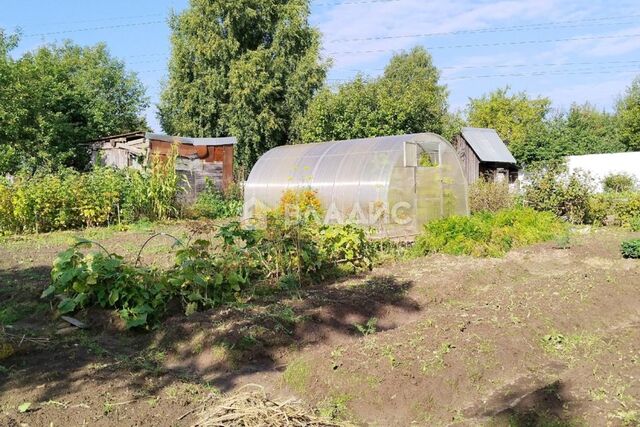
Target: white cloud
[[380, 20]]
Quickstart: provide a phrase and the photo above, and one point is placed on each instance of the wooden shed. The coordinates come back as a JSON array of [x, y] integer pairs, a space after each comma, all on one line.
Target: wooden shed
[[483, 154], [198, 158]]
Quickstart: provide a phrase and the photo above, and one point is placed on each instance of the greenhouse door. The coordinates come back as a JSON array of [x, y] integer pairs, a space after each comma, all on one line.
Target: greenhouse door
[[427, 184]]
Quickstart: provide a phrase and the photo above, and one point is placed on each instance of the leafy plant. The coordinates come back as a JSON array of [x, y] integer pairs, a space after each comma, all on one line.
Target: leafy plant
[[139, 295], [488, 234], [555, 190], [631, 248], [68, 199], [621, 209], [367, 328], [206, 275], [296, 204], [212, 203], [619, 183]]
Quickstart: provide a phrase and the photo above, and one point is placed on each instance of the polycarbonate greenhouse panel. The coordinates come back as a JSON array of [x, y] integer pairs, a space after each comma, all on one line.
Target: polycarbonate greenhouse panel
[[394, 183]]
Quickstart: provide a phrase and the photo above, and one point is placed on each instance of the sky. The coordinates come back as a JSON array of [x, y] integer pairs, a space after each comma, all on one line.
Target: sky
[[569, 51]]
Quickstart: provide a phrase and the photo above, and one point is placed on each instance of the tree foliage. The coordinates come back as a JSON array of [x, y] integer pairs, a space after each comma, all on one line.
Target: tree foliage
[[628, 112], [241, 67], [534, 132], [57, 97], [516, 117], [407, 98]]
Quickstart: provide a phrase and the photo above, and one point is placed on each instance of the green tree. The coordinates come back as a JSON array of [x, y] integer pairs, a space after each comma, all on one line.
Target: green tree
[[518, 119], [56, 98], [242, 67], [405, 99], [588, 130], [628, 115]]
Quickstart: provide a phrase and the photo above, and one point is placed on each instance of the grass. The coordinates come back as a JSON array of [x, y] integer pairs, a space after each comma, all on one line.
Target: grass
[[488, 234], [15, 312], [335, 407], [297, 375], [569, 347]]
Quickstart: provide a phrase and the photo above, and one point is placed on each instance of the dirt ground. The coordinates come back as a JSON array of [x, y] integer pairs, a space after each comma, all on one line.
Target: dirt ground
[[543, 336]]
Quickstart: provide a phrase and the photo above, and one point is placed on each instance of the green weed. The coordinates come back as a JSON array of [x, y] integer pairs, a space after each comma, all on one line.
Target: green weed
[[334, 407], [488, 234], [367, 328], [297, 375]]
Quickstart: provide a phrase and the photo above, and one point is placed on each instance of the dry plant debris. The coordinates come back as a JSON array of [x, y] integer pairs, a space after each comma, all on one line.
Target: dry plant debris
[[253, 409]]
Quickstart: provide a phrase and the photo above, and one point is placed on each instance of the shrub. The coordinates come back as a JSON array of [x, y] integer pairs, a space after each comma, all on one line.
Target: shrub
[[214, 204], [486, 196], [621, 209], [631, 249], [69, 199], [555, 190], [619, 183], [488, 234]]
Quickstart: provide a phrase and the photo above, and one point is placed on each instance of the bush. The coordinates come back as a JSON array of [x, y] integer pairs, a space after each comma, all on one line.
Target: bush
[[214, 204], [619, 183], [631, 249], [488, 234], [555, 190], [486, 196], [621, 209]]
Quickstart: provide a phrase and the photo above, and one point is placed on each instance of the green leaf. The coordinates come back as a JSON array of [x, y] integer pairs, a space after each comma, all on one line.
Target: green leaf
[[113, 297], [24, 407], [48, 292], [67, 305]]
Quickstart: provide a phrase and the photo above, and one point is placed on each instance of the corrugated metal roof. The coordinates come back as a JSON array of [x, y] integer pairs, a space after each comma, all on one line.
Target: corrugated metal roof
[[227, 140], [487, 145]]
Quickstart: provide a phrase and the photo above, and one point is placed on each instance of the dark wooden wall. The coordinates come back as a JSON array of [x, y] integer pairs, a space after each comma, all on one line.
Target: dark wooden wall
[[470, 162]]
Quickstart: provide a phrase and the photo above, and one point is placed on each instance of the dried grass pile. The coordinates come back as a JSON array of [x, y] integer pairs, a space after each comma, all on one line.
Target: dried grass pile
[[253, 409]]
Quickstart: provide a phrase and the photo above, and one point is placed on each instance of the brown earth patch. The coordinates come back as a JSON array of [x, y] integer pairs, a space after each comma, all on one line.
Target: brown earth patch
[[542, 335]]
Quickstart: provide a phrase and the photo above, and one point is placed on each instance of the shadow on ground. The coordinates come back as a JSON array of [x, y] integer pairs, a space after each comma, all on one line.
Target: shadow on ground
[[217, 347]]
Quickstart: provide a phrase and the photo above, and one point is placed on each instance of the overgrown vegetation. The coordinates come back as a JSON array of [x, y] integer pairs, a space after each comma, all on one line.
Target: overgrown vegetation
[[619, 183], [213, 203], [620, 209], [554, 189], [488, 234], [285, 253], [488, 196], [69, 199]]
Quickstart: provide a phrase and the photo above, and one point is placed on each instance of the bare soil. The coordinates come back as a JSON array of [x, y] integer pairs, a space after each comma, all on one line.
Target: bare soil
[[543, 336]]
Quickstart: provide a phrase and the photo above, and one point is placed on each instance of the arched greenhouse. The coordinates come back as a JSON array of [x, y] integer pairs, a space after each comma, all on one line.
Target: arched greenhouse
[[394, 183]]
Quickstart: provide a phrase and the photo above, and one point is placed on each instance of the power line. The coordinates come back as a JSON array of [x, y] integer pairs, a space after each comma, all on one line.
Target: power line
[[106, 27], [513, 43], [547, 64], [84, 21], [583, 71], [541, 26]]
